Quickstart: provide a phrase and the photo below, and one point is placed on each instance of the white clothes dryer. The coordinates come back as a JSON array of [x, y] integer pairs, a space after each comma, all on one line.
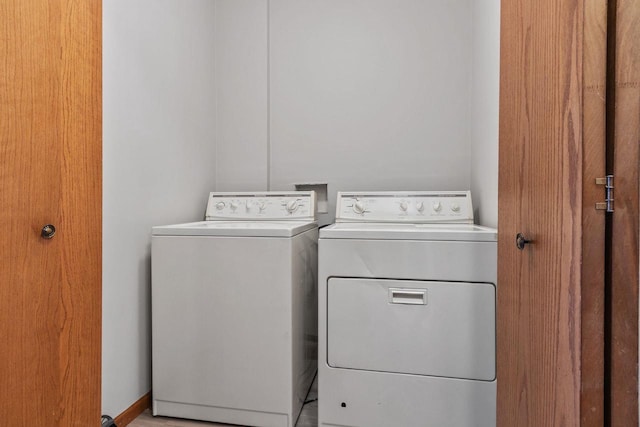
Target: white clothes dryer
[[234, 310], [407, 313]]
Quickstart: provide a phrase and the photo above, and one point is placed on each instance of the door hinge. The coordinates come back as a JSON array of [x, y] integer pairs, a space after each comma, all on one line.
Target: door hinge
[[607, 205]]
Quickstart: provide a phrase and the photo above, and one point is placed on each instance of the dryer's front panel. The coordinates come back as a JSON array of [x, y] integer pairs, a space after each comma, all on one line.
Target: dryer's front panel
[[442, 329]]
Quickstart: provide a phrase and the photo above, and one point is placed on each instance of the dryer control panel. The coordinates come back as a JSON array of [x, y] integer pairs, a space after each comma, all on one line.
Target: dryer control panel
[[447, 207], [271, 205]]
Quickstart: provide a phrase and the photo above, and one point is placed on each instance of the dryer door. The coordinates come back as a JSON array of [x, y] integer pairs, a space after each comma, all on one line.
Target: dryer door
[[444, 329]]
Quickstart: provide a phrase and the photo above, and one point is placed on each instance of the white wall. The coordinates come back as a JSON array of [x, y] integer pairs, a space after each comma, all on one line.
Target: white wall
[[484, 130], [370, 94], [159, 164], [360, 94], [241, 95]]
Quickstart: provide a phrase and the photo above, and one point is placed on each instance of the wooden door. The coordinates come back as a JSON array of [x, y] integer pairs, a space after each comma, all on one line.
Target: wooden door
[[50, 173], [622, 352], [593, 271], [552, 145]]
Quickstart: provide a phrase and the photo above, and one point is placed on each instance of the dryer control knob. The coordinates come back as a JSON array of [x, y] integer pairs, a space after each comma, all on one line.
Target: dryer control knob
[[455, 207], [420, 206], [261, 206], [403, 206], [437, 206], [359, 207], [248, 205], [292, 206], [220, 206], [233, 205]]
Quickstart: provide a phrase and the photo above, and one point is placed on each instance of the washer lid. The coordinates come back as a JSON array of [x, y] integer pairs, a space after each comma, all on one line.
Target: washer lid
[[235, 228], [390, 231]]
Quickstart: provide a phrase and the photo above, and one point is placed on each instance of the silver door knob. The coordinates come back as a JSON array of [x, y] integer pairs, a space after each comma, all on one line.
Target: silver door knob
[[48, 231]]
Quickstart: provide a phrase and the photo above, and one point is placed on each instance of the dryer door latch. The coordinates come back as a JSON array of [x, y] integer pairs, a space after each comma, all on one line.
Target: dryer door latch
[[607, 205]]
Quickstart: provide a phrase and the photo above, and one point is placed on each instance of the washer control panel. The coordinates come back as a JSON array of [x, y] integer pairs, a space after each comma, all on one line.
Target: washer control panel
[[448, 207], [287, 205]]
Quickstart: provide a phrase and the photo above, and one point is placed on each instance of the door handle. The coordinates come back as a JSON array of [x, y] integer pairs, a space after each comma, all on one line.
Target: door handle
[[521, 241], [408, 296], [48, 231]]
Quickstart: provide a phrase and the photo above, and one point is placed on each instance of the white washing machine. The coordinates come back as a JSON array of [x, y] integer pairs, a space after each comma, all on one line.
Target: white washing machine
[[407, 313], [234, 310]]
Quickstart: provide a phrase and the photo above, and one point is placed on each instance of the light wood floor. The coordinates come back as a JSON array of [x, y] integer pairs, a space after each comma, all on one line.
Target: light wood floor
[[148, 420], [308, 416]]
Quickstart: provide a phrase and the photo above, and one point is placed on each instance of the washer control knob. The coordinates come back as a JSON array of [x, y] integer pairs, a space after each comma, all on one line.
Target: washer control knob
[[403, 206], [292, 206], [233, 205], [437, 206], [455, 207], [420, 206], [261, 206], [359, 207], [248, 205], [220, 206]]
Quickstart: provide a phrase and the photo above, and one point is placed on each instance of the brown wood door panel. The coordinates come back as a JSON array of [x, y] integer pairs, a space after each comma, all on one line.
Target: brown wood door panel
[[593, 221], [50, 149], [541, 381], [540, 194], [624, 248], [30, 272], [81, 218]]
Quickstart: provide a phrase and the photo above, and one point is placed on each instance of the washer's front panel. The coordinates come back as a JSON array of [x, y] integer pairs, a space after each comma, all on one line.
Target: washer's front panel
[[234, 309], [222, 344], [412, 327]]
